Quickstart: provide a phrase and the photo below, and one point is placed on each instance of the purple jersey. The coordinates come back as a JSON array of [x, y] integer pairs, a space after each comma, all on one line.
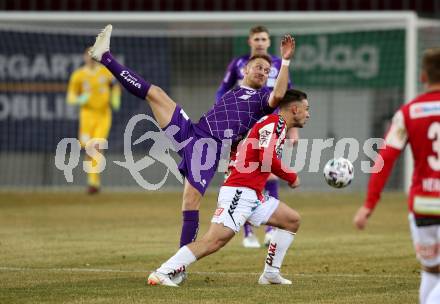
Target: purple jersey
[[237, 110], [234, 74]]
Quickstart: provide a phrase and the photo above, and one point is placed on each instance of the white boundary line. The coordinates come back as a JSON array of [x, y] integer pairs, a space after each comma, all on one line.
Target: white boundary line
[[230, 274]]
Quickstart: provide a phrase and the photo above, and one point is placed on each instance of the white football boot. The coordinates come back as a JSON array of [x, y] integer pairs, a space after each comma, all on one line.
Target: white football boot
[[251, 241], [102, 43], [157, 278], [179, 278], [268, 278]]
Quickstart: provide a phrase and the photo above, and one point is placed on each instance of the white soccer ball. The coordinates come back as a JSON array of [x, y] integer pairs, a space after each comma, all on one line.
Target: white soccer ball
[[339, 172]]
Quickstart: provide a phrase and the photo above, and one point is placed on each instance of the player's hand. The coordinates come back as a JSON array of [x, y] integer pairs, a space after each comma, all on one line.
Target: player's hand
[[287, 47], [361, 217], [295, 184], [83, 99]]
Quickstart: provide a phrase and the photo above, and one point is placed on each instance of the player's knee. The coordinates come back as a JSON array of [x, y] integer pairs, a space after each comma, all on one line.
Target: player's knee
[[191, 203], [293, 221], [191, 200], [155, 93]]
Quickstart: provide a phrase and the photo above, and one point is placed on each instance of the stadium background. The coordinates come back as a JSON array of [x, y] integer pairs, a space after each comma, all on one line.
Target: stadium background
[[63, 246], [352, 96]]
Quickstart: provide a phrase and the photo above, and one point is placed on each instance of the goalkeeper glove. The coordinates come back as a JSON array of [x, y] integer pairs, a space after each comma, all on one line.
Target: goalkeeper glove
[[82, 99]]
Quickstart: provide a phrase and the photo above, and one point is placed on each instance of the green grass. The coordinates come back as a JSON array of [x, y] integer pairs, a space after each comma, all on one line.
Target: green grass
[[71, 248]]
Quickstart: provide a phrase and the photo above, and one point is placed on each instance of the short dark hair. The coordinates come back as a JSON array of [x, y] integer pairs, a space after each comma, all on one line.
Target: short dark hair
[[292, 95], [262, 56], [431, 64], [258, 29]]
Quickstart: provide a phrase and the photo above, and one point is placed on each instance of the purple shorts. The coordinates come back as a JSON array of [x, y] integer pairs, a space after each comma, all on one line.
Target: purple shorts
[[200, 152]]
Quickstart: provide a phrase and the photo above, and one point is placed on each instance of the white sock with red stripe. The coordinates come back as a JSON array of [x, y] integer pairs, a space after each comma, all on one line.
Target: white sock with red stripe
[[280, 242], [178, 262]]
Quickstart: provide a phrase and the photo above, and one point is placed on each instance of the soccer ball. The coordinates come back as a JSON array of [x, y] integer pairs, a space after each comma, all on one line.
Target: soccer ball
[[338, 172]]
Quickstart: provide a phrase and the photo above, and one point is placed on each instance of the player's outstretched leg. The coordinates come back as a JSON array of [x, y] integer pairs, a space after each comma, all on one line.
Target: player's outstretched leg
[[287, 222], [102, 43], [161, 104], [281, 241], [100, 51], [172, 272]]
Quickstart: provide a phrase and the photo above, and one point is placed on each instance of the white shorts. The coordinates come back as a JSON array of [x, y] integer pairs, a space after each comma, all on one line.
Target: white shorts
[[238, 205], [426, 240]]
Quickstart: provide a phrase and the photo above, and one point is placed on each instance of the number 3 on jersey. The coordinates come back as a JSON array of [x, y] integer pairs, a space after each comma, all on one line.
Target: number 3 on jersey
[[434, 135]]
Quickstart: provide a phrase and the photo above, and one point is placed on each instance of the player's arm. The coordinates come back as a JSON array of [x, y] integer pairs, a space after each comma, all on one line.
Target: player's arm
[[74, 94], [229, 80], [395, 142], [115, 95], [287, 50], [266, 145], [283, 172]]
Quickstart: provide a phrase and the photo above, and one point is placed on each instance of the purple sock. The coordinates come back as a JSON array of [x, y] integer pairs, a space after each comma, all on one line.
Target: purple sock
[[128, 79], [190, 227], [271, 188], [247, 228]]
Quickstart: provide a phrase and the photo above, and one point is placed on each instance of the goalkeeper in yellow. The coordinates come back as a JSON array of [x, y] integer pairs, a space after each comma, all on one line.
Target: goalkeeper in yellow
[[93, 88]]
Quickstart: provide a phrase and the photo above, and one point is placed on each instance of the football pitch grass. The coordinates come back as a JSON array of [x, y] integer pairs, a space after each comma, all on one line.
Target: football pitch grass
[[73, 248]]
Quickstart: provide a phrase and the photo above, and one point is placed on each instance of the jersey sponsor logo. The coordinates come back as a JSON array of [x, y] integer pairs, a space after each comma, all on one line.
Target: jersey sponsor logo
[[251, 92], [424, 109], [130, 79], [271, 253], [265, 135]]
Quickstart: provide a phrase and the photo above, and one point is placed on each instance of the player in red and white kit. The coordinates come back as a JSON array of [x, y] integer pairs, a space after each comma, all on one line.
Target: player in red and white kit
[[240, 198], [418, 124]]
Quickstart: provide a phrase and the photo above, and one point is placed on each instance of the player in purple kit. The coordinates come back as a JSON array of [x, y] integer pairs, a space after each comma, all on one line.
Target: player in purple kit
[[230, 117], [259, 43]]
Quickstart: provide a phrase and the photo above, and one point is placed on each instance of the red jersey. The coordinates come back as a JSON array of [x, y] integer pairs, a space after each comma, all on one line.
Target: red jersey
[[259, 154], [416, 123]]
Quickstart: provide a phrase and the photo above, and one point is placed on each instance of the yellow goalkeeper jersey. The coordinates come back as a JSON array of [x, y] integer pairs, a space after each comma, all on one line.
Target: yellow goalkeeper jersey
[[94, 82]]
